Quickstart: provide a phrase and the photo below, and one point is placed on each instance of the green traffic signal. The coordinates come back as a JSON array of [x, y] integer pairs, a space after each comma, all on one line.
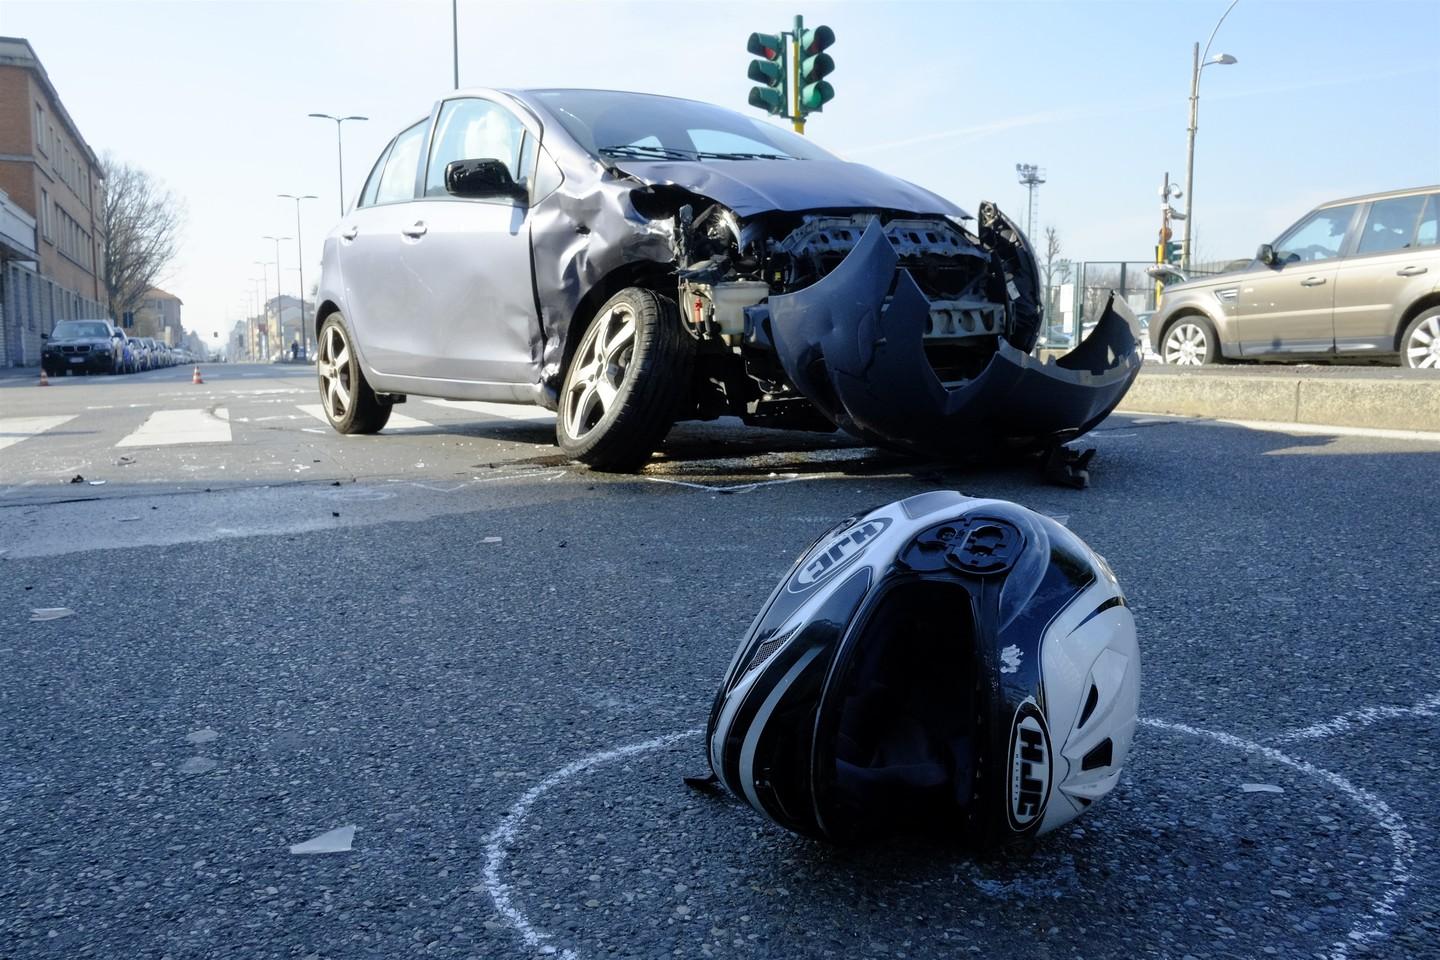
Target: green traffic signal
[[814, 96], [815, 66], [1172, 252]]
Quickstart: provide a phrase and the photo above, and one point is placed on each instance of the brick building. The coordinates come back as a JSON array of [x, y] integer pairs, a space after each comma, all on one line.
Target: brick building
[[159, 316], [50, 174]]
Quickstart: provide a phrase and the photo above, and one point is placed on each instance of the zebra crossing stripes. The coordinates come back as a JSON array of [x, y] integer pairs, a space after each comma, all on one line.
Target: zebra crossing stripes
[[193, 425], [15, 429]]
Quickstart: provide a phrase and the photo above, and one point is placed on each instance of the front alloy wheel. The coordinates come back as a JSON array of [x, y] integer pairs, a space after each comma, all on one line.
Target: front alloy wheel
[[1189, 343], [349, 403], [1421, 344]]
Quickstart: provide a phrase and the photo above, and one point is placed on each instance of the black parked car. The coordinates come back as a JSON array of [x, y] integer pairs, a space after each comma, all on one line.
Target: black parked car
[[629, 260], [84, 346]]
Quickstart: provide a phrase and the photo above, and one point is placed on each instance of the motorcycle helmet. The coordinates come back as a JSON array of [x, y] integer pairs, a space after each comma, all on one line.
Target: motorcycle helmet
[[946, 663]]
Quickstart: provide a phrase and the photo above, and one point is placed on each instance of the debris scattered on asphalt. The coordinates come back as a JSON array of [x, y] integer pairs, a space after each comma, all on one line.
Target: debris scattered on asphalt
[[334, 513], [334, 483], [96, 483], [204, 735], [331, 841], [1260, 788], [50, 613], [493, 540], [196, 765], [77, 479], [126, 519]]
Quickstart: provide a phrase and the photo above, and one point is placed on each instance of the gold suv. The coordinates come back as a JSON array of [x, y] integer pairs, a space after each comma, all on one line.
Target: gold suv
[[1353, 278]]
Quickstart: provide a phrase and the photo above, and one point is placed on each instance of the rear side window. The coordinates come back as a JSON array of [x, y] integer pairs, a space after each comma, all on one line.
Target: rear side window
[[1391, 224], [372, 182], [1426, 236], [397, 182]]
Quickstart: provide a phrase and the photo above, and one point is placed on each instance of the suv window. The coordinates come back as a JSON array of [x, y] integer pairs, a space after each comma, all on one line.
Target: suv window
[[1391, 224], [1426, 236], [397, 183], [473, 130], [1317, 237]]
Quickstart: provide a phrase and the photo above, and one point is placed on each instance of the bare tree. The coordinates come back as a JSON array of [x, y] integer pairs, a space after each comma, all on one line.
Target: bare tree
[[142, 221], [1056, 268]]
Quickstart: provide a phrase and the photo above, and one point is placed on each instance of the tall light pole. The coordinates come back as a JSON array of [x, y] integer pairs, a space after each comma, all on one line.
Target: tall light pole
[[279, 301], [252, 342], [1031, 177], [265, 307], [455, 40], [340, 148], [1200, 62], [300, 266]]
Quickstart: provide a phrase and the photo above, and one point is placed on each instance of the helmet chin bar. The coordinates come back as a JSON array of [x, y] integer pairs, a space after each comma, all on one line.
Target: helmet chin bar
[[965, 668]]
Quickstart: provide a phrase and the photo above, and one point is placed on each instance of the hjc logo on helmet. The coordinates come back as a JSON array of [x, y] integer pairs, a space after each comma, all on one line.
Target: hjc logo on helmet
[[1029, 766], [837, 553]]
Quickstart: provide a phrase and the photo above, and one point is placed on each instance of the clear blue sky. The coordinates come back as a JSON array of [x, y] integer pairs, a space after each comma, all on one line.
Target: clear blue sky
[[1328, 99]]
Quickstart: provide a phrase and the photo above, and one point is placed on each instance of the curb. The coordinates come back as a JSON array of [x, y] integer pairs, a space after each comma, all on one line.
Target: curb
[[1331, 401]]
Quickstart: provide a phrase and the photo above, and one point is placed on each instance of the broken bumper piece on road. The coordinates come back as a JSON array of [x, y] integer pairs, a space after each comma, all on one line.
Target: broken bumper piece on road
[[853, 343]]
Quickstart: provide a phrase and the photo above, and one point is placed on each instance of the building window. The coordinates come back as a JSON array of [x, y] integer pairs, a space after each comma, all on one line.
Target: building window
[[45, 212], [40, 128]]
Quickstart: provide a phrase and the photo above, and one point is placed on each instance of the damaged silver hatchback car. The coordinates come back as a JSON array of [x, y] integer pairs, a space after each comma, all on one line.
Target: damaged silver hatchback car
[[630, 260]]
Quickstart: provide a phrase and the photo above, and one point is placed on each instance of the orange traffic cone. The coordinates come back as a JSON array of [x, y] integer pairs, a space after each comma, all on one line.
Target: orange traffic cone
[[196, 377], [44, 380]]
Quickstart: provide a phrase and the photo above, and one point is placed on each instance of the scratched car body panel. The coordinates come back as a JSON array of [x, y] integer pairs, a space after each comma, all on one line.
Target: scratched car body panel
[[813, 292]]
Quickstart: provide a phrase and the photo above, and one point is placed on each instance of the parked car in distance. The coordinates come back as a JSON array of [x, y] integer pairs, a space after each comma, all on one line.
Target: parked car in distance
[[629, 260], [1353, 278], [82, 346]]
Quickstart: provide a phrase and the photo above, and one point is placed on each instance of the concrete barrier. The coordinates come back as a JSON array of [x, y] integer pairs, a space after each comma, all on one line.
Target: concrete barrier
[[1409, 403]]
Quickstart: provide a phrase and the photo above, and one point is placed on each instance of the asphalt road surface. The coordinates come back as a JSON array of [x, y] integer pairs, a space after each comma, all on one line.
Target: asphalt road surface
[[491, 664]]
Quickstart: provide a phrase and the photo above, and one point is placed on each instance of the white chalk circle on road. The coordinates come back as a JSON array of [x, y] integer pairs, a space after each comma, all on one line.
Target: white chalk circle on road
[[1371, 926]]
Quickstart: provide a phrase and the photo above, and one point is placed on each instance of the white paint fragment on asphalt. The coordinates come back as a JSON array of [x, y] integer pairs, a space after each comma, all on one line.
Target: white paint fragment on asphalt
[[493, 540], [204, 735], [197, 765], [331, 841], [1260, 788], [50, 613]]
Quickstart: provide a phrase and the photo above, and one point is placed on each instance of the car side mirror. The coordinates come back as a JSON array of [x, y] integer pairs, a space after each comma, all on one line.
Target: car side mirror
[[481, 178], [1266, 255]]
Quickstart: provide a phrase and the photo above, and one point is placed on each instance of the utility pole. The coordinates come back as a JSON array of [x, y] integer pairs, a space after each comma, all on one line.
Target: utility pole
[[339, 149], [1224, 59], [279, 302], [300, 267], [455, 39], [263, 341], [1031, 177]]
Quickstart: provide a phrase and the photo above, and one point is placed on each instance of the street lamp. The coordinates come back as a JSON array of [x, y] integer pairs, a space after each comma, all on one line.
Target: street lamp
[[1223, 59], [300, 266], [339, 149], [265, 307], [279, 300]]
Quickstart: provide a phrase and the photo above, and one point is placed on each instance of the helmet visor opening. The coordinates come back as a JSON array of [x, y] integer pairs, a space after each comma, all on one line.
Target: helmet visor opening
[[904, 744]]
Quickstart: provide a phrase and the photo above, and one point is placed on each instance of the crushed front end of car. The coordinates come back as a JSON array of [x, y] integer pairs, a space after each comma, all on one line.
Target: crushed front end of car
[[907, 331]]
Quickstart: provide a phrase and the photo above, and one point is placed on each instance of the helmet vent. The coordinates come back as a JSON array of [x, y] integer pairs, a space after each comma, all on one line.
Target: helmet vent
[[1090, 702], [1098, 757], [765, 650]]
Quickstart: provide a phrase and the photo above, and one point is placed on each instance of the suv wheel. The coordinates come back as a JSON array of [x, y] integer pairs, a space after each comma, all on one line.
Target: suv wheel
[[350, 405], [1189, 342], [1420, 345], [625, 382]]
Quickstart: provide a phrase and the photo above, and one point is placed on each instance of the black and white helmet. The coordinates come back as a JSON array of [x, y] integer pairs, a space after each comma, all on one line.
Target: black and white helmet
[[967, 665]]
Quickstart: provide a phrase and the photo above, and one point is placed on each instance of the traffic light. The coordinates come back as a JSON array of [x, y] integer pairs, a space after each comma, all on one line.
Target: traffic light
[[1170, 253], [773, 96], [815, 66]]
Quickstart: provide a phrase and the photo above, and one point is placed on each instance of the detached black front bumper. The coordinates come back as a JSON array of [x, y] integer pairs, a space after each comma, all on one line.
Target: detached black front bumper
[[862, 362]]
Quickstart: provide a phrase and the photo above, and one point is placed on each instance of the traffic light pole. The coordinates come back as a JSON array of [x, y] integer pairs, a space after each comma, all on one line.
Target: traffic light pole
[[797, 116]]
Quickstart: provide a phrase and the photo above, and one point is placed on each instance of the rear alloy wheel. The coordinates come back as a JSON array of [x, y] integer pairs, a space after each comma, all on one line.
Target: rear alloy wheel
[[349, 403], [1420, 346], [625, 382], [1190, 342]]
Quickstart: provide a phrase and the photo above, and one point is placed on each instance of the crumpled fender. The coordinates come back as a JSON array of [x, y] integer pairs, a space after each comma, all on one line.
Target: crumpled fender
[[862, 362]]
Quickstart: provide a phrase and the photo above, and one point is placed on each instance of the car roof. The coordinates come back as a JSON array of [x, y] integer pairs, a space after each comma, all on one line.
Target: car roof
[[1383, 195]]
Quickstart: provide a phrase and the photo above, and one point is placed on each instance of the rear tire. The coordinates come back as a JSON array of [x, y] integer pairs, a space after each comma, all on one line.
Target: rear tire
[[349, 403], [625, 382], [1420, 343]]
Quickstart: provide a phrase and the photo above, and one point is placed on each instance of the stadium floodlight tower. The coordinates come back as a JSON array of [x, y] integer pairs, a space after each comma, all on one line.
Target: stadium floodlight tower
[[1031, 177]]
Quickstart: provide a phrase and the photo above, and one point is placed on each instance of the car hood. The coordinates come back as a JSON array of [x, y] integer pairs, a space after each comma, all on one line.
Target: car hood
[[749, 187]]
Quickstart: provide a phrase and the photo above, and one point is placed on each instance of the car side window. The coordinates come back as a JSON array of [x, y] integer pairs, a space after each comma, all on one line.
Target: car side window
[[1429, 232], [473, 130], [397, 183], [372, 182], [1318, 237], [1390, 225]]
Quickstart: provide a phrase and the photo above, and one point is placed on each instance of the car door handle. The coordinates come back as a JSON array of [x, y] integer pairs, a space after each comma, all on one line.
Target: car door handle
[[350, 234], [1410, 271], [416, 230], [1312, 281]]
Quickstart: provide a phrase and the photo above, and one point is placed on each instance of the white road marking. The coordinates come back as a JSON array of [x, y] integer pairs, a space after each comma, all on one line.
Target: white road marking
[[740, 487], [397, 421], [1364, 717], [505, 411], [167, 427], [1317, 429], [15, 429], [1370, 928]]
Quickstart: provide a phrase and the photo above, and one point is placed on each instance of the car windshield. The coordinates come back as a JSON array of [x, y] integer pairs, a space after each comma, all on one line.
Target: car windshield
[[637, 126], [71, 329]]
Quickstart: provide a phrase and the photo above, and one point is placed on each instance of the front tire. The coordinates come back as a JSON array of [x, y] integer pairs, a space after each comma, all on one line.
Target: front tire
[[1189, 342], [1420, 344], [349, 403], [625, 382]]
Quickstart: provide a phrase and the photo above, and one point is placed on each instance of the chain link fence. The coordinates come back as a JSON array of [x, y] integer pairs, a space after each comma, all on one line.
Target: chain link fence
[[31, 305]]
